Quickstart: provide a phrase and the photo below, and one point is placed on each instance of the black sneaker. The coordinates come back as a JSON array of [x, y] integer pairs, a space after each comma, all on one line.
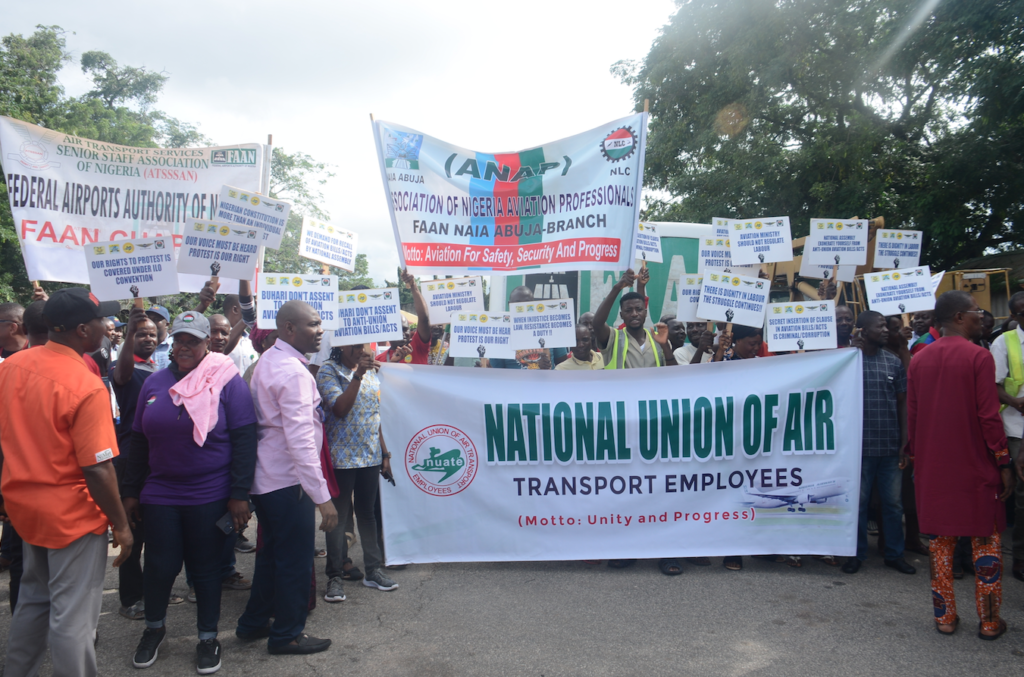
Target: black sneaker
[[304, 644], [149, 645], [207, 656]]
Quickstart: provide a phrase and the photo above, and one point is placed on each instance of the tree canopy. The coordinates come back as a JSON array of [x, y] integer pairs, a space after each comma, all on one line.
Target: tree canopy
[[833, 108]]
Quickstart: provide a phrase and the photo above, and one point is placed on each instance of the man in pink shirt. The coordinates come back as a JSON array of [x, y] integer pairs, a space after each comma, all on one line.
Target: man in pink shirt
[[287, 485]]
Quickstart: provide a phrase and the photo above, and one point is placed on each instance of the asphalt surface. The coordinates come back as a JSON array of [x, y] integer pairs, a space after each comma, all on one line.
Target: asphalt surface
[[575, 618]]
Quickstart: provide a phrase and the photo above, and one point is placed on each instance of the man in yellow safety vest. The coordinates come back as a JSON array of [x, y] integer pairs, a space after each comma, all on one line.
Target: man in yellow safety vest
[[1006, 351]]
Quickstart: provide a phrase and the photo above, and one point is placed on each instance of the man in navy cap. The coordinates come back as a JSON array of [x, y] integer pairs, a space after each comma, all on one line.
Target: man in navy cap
[[161, 318]]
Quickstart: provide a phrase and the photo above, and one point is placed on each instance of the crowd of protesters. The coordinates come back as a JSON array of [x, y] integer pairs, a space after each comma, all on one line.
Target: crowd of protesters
[[170, 431]]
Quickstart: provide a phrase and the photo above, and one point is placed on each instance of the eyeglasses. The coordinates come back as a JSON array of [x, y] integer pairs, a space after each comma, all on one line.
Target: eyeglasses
[[975, 312], [12, 321]]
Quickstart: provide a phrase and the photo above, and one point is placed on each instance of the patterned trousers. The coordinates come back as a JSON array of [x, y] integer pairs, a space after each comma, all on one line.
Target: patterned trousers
[[988, 587]]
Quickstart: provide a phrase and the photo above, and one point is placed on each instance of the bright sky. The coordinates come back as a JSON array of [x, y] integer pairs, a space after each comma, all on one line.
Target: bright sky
[[485, 76]]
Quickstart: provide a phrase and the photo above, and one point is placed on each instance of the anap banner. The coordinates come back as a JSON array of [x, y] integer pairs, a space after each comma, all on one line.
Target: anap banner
[[738, 458], [566, 205], [67, 193]]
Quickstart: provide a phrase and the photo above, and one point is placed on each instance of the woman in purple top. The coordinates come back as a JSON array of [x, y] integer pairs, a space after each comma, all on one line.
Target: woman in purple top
[[186, 488]]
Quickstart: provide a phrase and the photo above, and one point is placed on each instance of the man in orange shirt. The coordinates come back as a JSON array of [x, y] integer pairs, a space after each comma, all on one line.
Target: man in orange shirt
[[59, 487]]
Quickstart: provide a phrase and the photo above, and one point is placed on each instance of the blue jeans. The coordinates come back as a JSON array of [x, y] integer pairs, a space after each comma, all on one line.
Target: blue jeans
[[280, 582], [189, 534], [227, 563], [885, 471]]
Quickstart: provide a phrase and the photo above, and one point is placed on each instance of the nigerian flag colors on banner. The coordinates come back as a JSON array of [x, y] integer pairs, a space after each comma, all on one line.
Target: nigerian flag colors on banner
[[748, 457], [566, 205]]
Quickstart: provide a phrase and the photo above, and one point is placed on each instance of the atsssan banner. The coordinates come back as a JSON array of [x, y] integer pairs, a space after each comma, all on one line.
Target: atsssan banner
[[67, 193], [739, 458], [572, 204]]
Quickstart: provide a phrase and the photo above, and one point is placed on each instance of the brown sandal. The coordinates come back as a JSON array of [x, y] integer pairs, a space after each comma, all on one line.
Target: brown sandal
[[990, 638], [955, 624]]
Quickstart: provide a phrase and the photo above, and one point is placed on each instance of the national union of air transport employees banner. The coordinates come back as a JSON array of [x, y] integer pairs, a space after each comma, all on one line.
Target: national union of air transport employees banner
[[571, 204], [739, 458], [67, 193]]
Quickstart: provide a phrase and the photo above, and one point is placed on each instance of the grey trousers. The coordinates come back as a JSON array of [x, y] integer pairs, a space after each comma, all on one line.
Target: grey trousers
[[60, 600], [1018, 521]]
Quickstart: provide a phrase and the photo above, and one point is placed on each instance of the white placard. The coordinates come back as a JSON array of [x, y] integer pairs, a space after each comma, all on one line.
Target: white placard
[[937, 280], [714, 253], [720, 226], [543, 324], [481, 335], [327, 243], [810, 325], [368, 316], [835, 242], [276, 289], [126, 269], [648, 243], [898, 248], [844, 274], [209, 248], [757, 241], [727, 297], [900, 291], [445, 297], [688, 293], [244, 208]]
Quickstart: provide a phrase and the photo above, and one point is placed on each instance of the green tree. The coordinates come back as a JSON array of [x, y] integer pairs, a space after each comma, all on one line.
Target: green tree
[[818, 108], [117, 110]]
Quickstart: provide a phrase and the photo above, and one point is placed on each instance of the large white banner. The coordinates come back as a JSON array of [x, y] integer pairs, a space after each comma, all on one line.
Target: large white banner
[[67, 193], [738, 458], [570, 204]]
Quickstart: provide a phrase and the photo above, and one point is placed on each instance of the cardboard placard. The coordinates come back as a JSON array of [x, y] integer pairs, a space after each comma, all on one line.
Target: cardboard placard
[[445, 297], [809, 325], [648, 243], [244, 208], [720, 227], [126, 269], [368, 316], [714, 254], [900, 291], [481, 335], [688, 294], [543, 324], [757, 241], [937, 280], [835, 242], [209, 248], [898, 248], [727, 297], [276, 289], [328, 244]]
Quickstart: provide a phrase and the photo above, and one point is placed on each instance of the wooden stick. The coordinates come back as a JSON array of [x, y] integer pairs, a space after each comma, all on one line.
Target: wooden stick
[[325, 269], [835, 273], [215, 282], [906, 319], [647, 105], [139, 303], [728, 327], [710, 327]]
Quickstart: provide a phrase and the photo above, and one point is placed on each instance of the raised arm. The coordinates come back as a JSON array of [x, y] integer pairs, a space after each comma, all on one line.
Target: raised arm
[[601, 331], [125, 366], [422, 314]]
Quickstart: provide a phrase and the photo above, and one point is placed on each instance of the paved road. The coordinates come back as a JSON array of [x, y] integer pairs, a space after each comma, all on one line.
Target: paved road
[[572, 618]]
